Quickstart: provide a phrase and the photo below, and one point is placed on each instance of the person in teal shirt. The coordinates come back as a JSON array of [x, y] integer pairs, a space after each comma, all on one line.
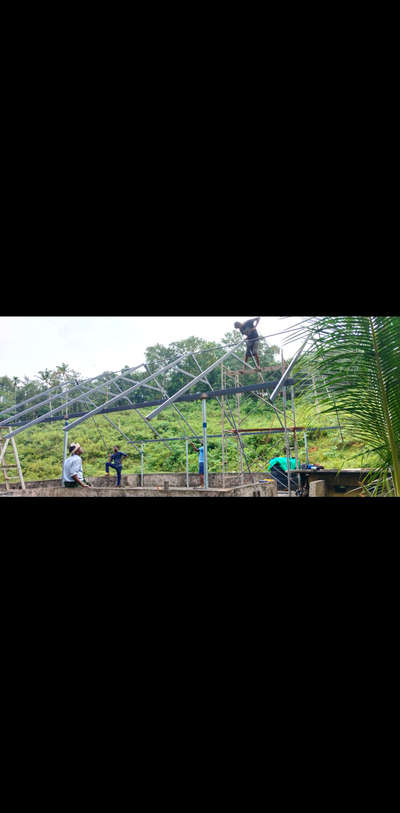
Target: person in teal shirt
[[282, 462], [278, 468]]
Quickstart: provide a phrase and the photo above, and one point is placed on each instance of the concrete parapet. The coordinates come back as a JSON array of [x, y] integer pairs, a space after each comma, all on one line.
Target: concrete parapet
[[150, 481], [247, 490]]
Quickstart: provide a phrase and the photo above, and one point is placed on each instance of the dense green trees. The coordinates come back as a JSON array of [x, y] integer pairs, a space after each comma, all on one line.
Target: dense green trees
[[14, 390]]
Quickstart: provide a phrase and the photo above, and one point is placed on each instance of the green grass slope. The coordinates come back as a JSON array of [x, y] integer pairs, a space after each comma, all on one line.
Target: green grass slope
[[41, 447]]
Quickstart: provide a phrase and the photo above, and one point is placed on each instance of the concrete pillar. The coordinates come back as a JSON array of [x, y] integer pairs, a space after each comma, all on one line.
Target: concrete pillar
[[318, 488]]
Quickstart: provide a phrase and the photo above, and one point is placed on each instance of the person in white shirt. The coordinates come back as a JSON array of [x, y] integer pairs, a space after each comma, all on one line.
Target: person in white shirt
[[73, 474]]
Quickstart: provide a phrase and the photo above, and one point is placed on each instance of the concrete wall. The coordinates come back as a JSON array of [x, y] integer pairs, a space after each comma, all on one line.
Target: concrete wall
[[177, 479], [247, 490]]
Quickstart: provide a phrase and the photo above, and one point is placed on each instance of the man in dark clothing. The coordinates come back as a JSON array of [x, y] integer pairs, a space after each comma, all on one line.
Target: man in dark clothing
[[114, 460], [248, 329]]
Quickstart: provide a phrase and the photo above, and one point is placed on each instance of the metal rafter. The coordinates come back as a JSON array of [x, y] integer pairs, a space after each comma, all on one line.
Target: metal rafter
[[67, 403], [190, 384], [130, 389]]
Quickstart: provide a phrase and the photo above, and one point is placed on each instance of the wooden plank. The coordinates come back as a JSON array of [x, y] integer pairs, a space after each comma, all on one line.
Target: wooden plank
[[254, 370]]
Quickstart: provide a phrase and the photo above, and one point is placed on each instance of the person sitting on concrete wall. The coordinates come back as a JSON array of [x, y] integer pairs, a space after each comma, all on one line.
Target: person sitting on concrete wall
[[200, 450], [73, 474], [249, 329], [115, 461]]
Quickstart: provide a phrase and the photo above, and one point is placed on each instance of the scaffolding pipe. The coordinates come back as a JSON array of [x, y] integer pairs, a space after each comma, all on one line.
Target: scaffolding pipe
[[296, 448], [287, 444], [306, 448], [223, 427], [205, 455], [65, 452]]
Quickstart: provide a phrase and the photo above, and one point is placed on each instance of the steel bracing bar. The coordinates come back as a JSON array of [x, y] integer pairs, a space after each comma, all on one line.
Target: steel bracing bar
[[53, 397], [130, 389], [286, 373], [264, 400], [239, 439], [51, 412], [144, 419], [29, 400], [87, 398], [62, 406], [47, 392], [190, 384], [262, 385], [211, 388], [148, 386], [164, 392], [206, 381]]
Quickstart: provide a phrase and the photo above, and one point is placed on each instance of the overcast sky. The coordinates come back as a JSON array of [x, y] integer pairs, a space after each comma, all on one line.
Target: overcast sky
[[93, 344]]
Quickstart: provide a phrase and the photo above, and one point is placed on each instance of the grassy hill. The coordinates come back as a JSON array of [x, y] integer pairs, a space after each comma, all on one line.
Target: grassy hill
[[41, 447]]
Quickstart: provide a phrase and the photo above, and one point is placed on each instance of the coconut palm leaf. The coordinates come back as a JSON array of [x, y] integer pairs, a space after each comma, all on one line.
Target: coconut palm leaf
[[355, 361]]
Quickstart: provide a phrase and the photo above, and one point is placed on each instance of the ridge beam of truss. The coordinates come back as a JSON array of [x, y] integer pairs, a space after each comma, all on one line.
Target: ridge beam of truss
[[60, 408], [130, 389], [186, 387]]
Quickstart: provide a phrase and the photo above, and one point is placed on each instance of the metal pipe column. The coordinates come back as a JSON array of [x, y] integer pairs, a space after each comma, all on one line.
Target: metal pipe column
[[223, 426], [286, 441], [204, 413], [141, 466], [296, 447], [187, 462], [306, 448], [65, 452]]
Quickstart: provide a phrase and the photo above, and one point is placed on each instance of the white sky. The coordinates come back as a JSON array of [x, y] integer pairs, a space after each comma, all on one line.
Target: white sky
[[93, 344]]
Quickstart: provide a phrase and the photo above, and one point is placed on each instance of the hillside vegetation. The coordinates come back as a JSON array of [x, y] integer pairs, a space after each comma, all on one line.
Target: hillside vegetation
[[41, 447]]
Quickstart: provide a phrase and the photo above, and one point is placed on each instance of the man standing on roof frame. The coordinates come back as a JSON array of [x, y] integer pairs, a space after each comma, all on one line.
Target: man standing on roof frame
[[248, 329]]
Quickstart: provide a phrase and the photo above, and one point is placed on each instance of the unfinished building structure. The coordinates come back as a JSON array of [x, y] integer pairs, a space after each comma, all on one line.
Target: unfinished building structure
[[77, 402]]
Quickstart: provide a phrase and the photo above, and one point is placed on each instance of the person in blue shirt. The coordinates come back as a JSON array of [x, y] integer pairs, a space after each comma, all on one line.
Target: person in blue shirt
[[200, 450], [115, 461]]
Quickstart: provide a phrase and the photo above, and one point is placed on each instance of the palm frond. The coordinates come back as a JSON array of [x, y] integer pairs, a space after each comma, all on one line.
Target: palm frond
[[355, 365]]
